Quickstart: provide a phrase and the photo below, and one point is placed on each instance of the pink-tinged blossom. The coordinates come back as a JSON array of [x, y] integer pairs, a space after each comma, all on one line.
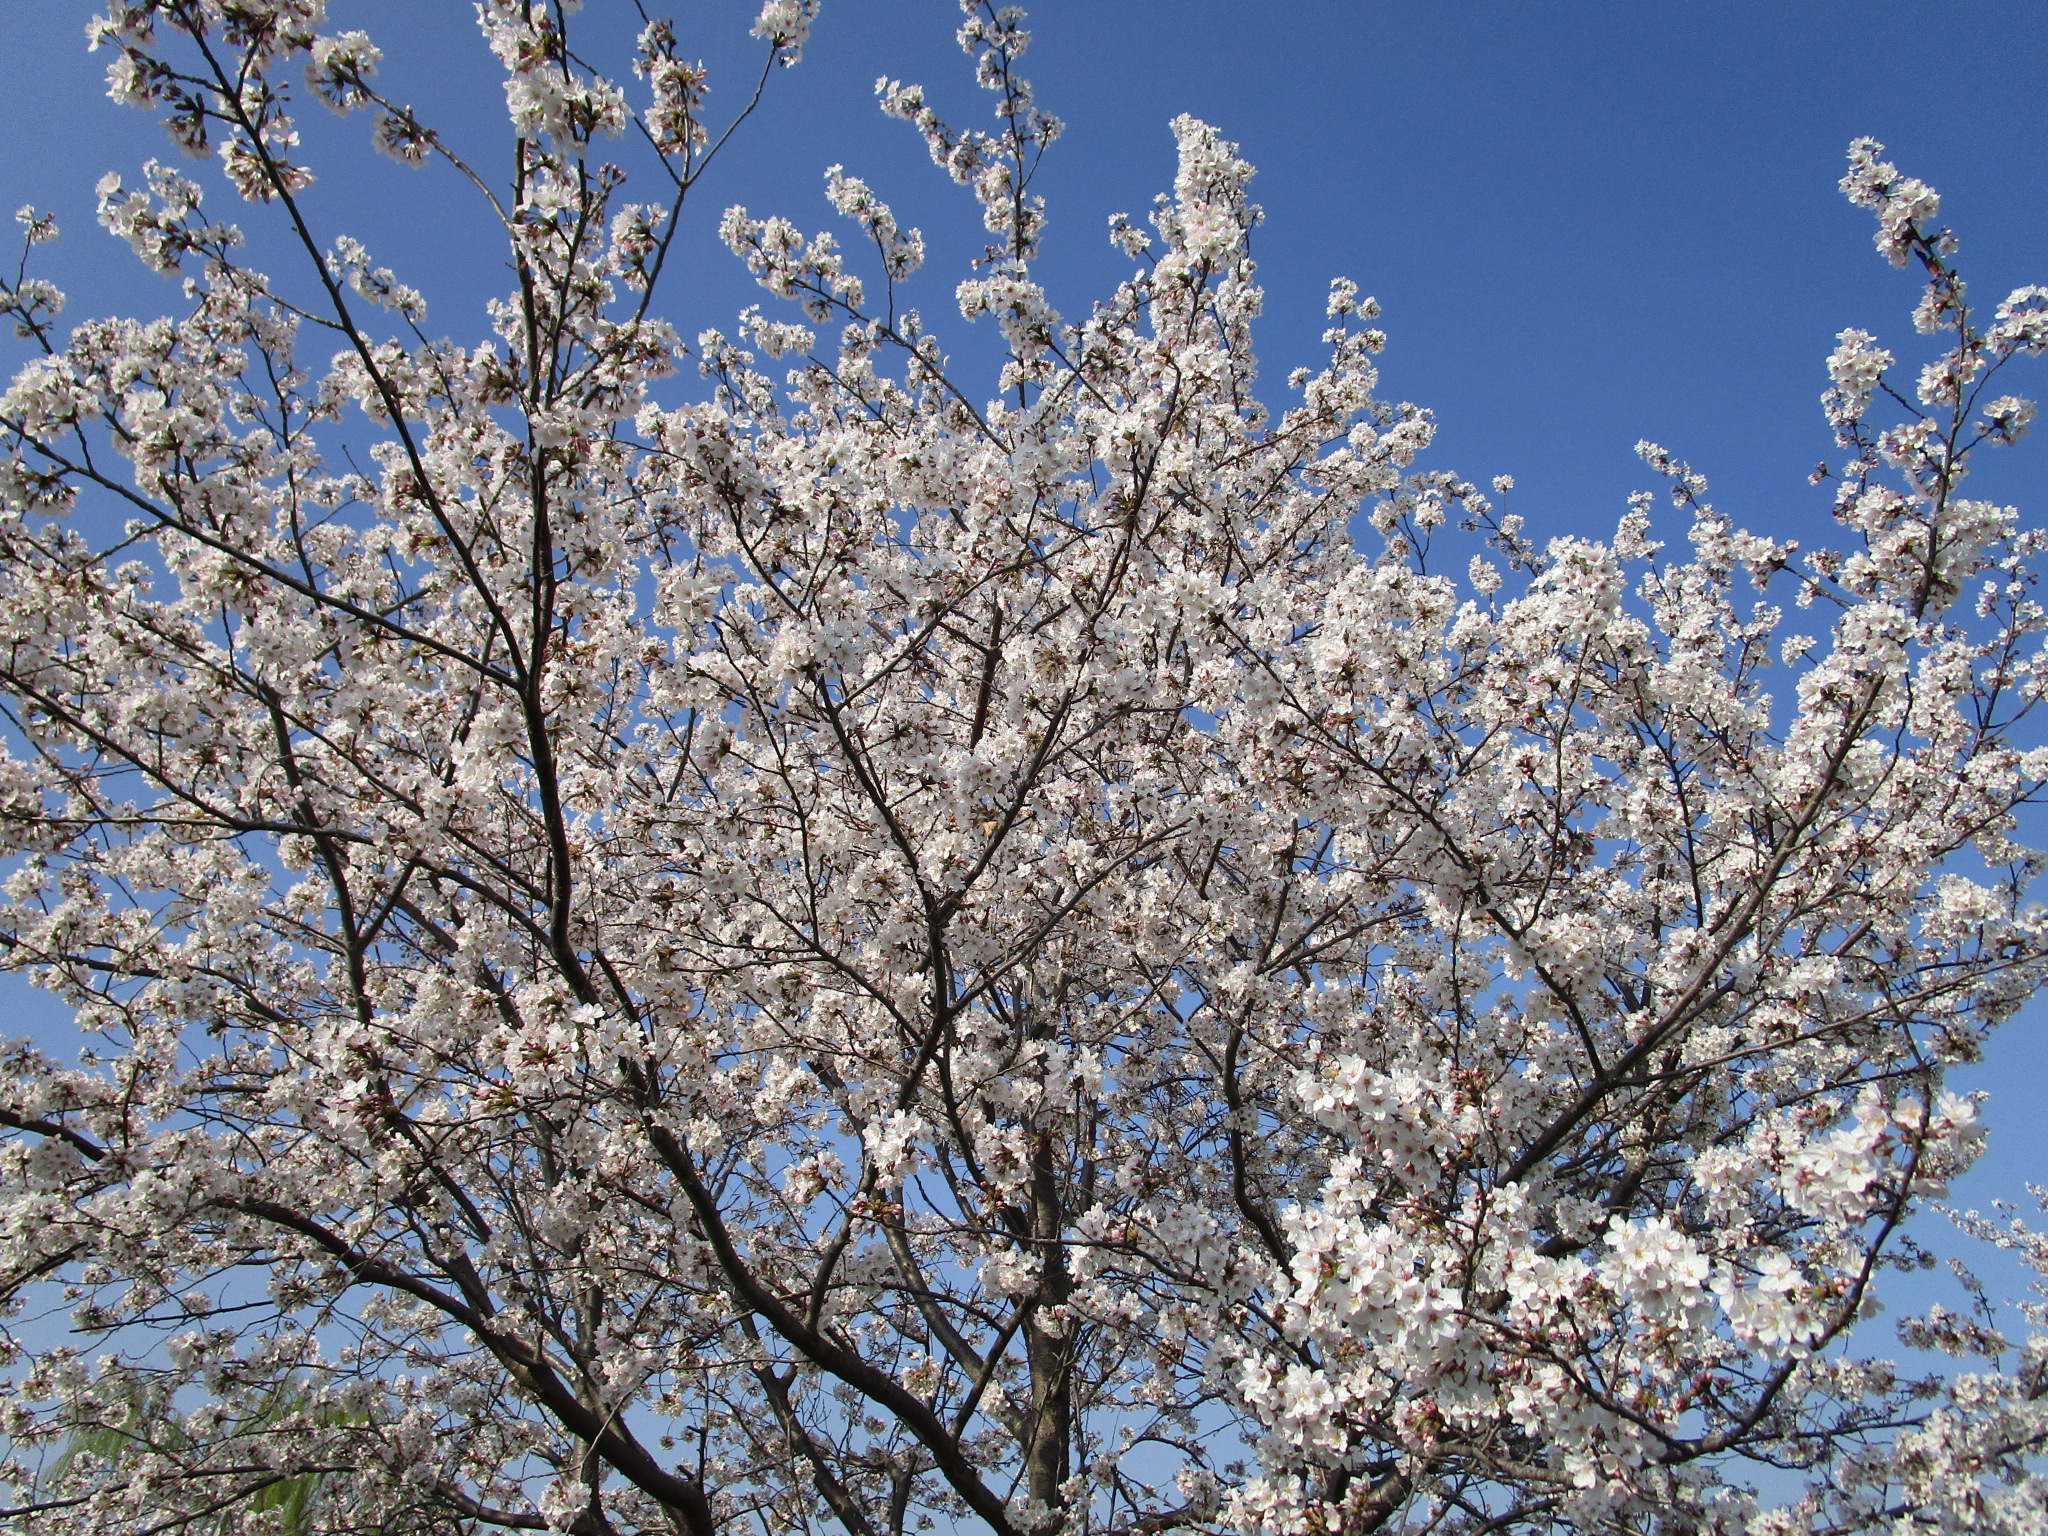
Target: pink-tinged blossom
[[1855, 366], [787, 24], [1901, 203], [902, 251], [677, 935]]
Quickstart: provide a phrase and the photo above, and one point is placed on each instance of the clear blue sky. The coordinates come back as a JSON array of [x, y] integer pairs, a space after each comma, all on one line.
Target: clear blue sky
[[1588, 223]]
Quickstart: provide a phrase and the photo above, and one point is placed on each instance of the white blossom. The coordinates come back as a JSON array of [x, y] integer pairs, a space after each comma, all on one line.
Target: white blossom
[[673, 937]]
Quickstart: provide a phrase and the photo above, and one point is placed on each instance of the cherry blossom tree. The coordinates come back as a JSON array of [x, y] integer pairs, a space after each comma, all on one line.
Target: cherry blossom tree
[[751, 934]]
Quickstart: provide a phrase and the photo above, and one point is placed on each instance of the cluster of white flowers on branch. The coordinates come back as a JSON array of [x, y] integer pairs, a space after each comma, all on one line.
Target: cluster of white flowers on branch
[[859, 951]]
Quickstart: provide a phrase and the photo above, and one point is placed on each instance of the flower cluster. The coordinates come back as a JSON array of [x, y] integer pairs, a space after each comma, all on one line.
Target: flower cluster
[[865, 946]]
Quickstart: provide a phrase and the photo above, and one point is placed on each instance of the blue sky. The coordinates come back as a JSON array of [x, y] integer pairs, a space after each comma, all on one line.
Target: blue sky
[[1588, 223]]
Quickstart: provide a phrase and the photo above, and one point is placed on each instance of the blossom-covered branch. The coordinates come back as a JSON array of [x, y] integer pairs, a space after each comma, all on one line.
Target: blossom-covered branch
[[853, 945]]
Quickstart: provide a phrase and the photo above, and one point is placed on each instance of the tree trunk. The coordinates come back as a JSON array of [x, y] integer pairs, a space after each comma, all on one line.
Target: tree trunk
[[1048, 1340]]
